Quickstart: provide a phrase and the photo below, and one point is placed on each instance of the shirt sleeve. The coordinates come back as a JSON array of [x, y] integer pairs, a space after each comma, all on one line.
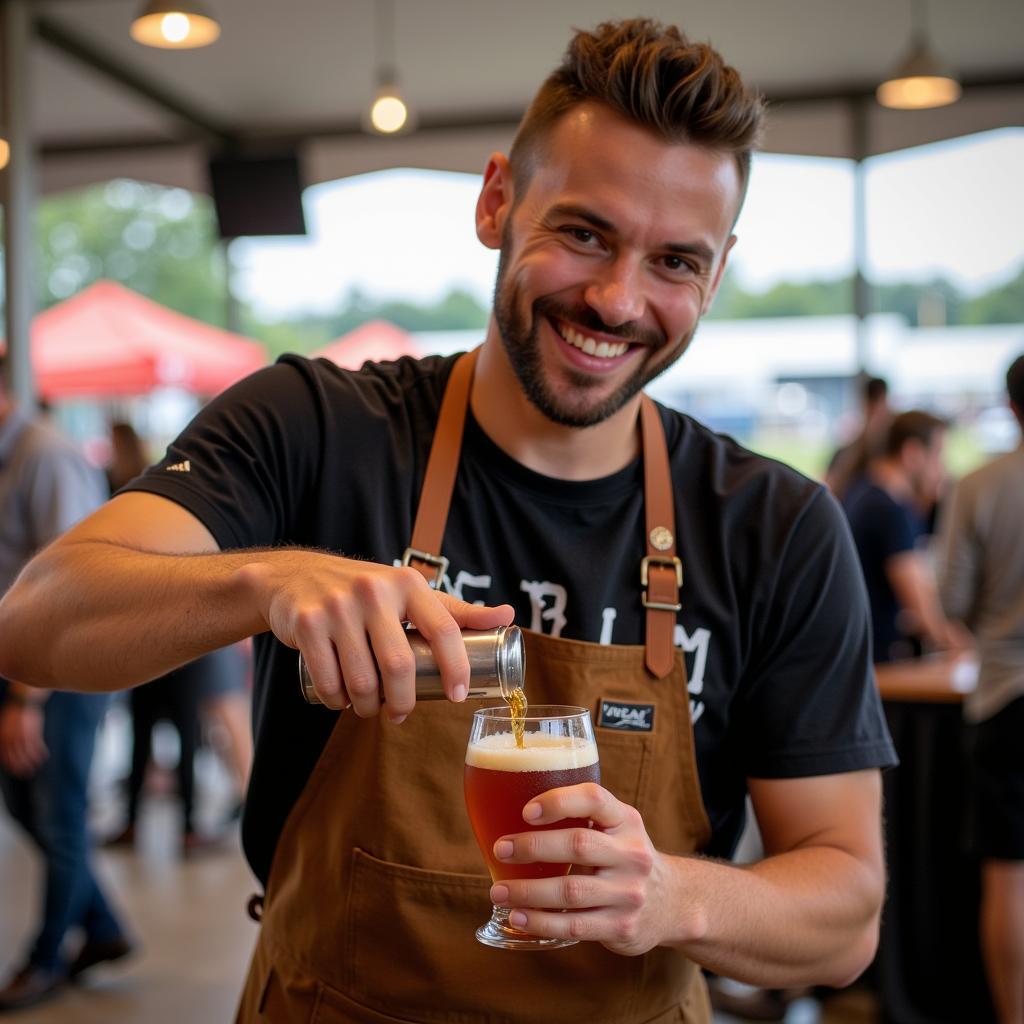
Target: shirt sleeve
[[809, 705], [893, 529], [245, 463]]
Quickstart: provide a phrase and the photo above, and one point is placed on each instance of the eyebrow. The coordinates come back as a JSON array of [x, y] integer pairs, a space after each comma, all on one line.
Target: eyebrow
[[699, 249]]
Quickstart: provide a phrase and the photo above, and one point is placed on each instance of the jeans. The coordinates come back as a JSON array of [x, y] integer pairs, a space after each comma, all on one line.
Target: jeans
[[51, 807]]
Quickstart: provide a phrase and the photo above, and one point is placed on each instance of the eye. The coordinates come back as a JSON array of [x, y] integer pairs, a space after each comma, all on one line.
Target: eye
[[582, 235], [677, 264]]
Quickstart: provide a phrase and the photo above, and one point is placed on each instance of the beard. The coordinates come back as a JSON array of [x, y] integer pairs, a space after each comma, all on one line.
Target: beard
[[573, 406]]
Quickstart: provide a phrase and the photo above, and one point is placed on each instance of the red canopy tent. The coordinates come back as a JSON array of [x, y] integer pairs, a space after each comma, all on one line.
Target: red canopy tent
[[375, 341], [108, 341]]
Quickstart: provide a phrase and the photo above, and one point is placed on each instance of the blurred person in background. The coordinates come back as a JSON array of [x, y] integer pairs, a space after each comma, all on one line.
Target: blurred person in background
[[981, 578], [850, 462], [47, 738], [884, 510], [178, 698]]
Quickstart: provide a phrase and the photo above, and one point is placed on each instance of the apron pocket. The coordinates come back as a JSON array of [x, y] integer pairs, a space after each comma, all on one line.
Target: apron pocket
[[411, 953], [625, 765]]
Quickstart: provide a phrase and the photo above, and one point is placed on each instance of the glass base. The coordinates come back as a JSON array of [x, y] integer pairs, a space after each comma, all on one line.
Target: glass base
[[500, 934]]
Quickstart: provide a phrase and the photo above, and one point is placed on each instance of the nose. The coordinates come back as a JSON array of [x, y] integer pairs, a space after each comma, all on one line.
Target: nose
[[616, 294]]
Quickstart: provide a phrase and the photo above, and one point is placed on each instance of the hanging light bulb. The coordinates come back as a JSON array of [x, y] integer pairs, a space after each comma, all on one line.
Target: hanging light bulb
[[919, 81], [175, 25], [388, 113], [5, 153]]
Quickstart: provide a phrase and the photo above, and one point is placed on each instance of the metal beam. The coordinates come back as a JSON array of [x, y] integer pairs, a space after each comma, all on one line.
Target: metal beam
[[19, 195], [87, 53], [257, 136]]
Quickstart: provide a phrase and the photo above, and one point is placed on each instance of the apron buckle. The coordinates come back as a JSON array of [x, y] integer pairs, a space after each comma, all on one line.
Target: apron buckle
[[439, 562], [666, 562]]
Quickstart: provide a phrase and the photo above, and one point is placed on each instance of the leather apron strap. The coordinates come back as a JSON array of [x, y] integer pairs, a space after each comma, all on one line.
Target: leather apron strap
[[661, 571]]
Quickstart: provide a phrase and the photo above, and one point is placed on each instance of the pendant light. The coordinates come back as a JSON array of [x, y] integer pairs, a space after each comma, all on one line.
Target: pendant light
[[388, 113], [920, 81], [175, 25]]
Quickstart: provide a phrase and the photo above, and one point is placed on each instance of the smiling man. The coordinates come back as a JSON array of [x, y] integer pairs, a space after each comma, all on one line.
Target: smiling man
[[703, 603]]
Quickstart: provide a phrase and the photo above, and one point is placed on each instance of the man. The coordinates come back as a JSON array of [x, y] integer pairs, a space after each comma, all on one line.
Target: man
[[851, 460], [982, 583], [613, 216], [47, 739], [884, 516]]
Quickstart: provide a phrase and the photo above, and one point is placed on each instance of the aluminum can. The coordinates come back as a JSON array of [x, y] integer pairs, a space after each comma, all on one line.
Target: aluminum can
[[497, 665]]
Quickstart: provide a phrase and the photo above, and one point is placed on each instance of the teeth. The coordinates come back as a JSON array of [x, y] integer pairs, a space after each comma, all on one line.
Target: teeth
[[602, 350]]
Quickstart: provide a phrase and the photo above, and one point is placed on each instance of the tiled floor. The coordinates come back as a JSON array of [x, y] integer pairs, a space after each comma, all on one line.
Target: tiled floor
[[189, 915]]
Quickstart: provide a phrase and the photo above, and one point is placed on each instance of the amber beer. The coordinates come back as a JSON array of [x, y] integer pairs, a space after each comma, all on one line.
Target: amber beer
[[501, 780]]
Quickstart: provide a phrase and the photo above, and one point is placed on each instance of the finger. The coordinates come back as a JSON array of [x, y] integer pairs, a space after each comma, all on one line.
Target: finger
[[396, 665], [560, 846], [586, 926], [444, 634], [476, 616], [359, 671], [321, 659], [587, 800], [564, 892]]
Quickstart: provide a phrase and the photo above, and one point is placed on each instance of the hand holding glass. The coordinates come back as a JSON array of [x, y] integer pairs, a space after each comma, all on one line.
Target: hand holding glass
[[501, 779]]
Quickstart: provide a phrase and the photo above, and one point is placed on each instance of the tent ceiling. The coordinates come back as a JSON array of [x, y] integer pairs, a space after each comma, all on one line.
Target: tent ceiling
[[305, 70]]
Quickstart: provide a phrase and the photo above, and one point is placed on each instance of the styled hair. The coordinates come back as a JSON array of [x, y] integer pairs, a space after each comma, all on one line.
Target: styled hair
[[655, 77], [915, 425], [1015, 382]]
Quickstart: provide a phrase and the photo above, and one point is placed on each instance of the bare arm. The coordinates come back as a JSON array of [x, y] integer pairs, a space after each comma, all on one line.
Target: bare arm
[[806, 914], [914, 585], [140, 587]]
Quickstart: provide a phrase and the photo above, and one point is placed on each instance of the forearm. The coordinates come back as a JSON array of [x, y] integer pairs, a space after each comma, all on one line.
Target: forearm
[[100, 616], [808, 916]]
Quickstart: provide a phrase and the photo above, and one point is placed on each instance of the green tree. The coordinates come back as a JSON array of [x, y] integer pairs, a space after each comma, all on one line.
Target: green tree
[[1001, 305], [159, 241]]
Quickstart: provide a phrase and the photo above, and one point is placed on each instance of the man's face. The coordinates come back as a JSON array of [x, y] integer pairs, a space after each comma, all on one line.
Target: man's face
[[926, 467], [608, 261]]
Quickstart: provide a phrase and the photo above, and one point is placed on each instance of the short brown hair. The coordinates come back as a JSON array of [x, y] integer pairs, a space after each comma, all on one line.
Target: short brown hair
[[654, 76], [915, 425]]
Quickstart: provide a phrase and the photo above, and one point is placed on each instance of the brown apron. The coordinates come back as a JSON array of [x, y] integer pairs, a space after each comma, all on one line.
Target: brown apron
[[376, 889]]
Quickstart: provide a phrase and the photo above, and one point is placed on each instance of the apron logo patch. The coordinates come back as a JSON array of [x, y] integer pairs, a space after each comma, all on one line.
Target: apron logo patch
[[626, 717]]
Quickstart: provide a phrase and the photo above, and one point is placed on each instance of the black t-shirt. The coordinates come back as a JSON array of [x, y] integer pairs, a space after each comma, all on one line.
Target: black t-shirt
[[882, 527], [773, 622]]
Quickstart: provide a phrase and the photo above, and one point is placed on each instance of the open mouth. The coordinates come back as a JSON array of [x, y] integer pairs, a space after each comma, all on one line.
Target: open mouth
[[588, 345]]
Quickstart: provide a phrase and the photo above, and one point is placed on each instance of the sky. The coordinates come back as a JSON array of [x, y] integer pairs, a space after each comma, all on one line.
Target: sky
[[954, 208]]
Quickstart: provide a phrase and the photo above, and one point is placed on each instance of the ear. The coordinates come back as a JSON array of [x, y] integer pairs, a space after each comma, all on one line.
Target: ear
[[719, 274], [495, 201]]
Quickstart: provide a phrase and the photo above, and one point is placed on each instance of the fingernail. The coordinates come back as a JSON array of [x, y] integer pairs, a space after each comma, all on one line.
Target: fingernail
[[499, 893], [397, 719], [459, 693], [517, 919], [532, 811], [503, 849]]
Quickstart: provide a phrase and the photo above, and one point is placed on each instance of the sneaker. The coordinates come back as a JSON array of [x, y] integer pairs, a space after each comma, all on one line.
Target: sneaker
[[29, 986], [126, 837], [96, 952]]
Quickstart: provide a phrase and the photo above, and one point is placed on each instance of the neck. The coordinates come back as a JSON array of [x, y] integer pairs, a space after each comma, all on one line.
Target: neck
[[891, 477], [522, 431]]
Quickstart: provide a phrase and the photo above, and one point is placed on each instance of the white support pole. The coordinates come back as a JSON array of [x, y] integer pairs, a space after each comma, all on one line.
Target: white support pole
[[19, 195], [861, 286]]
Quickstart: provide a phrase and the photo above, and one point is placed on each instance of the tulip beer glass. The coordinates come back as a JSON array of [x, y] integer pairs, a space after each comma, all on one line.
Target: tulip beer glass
[[501, 779]]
